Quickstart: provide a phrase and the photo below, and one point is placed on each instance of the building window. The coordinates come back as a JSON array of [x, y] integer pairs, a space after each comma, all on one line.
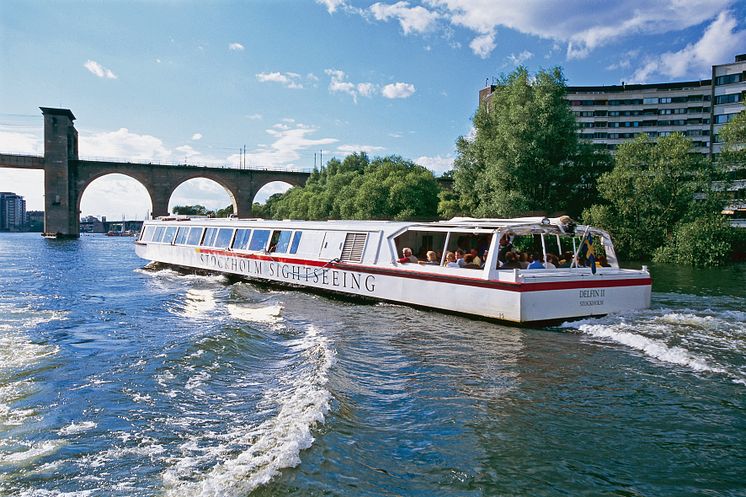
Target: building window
[[728, 79], [666, 100], [725, 118], [648, 101], [728, 99]]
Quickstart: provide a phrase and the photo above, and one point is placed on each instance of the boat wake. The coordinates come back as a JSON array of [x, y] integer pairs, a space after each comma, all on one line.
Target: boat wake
[[702, 340], [250, 455]]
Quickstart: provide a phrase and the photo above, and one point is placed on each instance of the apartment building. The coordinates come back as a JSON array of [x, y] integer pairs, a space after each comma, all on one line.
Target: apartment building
[[12, 212], [610, 115]]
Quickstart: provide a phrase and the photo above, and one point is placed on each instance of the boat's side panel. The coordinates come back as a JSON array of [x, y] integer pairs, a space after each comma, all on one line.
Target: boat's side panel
[[520, 302], [404, 288]]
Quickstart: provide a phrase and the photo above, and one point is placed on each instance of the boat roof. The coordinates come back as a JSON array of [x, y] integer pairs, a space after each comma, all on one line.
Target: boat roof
[[518, 225]]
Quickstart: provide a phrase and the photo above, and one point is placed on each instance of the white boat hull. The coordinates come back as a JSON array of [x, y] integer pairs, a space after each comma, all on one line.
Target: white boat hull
[[542, 295]]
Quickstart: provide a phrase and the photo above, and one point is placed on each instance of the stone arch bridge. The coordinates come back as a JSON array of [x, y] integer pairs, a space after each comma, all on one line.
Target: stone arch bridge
[[66, 176]]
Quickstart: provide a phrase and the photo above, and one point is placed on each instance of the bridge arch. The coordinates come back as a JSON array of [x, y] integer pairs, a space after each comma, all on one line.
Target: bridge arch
[[84, 184], [269, 189], [228, 189]]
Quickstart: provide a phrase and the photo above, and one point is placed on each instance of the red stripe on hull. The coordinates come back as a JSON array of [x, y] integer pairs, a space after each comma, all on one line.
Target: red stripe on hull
[[457, 280]]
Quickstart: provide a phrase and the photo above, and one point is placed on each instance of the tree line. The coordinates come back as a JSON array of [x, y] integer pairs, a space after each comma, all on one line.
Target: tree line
[[659, 199]]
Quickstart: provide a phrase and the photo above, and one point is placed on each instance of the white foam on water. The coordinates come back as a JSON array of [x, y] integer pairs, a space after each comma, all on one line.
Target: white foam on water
[[266, 314], [302, 402], [34, 452], [198, 303], [39, 492], [77, 428], [624, 334]]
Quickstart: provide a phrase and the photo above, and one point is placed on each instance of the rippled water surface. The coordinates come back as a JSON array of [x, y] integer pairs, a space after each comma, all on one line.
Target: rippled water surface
[[115, 380]]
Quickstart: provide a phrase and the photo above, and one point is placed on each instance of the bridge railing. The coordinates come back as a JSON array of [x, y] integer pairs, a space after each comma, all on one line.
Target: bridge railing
[[22, 161], [215, 165]]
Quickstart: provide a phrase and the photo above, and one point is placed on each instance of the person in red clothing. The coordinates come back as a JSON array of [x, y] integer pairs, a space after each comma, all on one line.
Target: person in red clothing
[[407, 256]]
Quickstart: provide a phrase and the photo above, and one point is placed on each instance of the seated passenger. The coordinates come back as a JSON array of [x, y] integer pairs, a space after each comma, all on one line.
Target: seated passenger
[[603, 262], [432, 259], [475, 255], [408, 257], [566, 260], [511, 261], [552, 261], [523, 260], [451, 260], [469, 262], [536, 264], [460, 258]]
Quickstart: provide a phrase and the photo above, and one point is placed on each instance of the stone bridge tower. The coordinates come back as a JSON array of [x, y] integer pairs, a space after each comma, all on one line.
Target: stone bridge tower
[[60, 148]]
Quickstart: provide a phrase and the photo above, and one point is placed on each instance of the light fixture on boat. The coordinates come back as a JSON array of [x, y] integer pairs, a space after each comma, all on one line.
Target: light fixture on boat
[[545, 221]]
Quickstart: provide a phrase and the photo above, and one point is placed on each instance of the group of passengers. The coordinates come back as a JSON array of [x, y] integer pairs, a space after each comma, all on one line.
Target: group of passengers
[[508, 258]]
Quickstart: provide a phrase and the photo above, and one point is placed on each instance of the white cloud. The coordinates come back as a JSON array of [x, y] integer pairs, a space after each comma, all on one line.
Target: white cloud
[[625, 62], [398, 90], [270, 189], [483, 45], [436, 164], [98, 70], [411, 19], [581, 26], [197, 136], [519, 59], [717, 45], [124, 145], [331, 5], [235, 46], [338, 84], [287, 148], [254, 117], [289, 80], [14, 142], [351, 149]]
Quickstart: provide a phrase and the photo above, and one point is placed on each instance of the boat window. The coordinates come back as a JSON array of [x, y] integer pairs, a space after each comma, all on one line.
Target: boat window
[[168, 237], [296, 242], [210, 234], [195, 234], [147, 234], [159, 233], [259, 240], [181, 236], [223, 240], [241, 241], [280, 241], [352, 250]]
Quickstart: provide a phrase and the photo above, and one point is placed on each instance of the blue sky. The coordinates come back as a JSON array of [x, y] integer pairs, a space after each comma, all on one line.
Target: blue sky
[[172, 81]]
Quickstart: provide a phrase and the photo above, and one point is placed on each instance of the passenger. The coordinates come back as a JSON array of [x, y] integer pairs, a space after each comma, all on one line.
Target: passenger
[[451, 260], [511, 261], [552, 261], [460, 258], [407, 256], [566, 260], [603, 261], [523, 260], [536, 264], [505, 247], [469, 262], [432, 259], [475, 255]]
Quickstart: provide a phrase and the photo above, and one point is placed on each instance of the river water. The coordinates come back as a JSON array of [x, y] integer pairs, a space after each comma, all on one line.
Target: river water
[[116, 380]]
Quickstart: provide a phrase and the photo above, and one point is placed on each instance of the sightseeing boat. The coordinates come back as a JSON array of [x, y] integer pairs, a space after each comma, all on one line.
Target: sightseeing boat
[[363, 258]]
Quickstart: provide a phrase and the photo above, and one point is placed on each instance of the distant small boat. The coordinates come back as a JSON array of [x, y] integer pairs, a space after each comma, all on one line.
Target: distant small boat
[[121, 233]]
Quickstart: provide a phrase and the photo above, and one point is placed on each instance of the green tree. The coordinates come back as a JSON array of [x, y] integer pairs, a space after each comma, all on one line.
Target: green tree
[[191, 210], [653, 187], [358, 188], [525, 155]]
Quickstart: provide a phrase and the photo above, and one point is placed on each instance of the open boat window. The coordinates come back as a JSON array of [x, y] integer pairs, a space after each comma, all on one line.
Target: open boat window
[[296, 242], [441, 242], [210, 234], [195, 234], [280, 241], [241, 241], [182, 234], [223, 240], [259, 240], [168, 236]]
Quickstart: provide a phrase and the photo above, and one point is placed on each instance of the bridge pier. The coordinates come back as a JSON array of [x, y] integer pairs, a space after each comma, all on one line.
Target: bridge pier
[[61, 217]]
